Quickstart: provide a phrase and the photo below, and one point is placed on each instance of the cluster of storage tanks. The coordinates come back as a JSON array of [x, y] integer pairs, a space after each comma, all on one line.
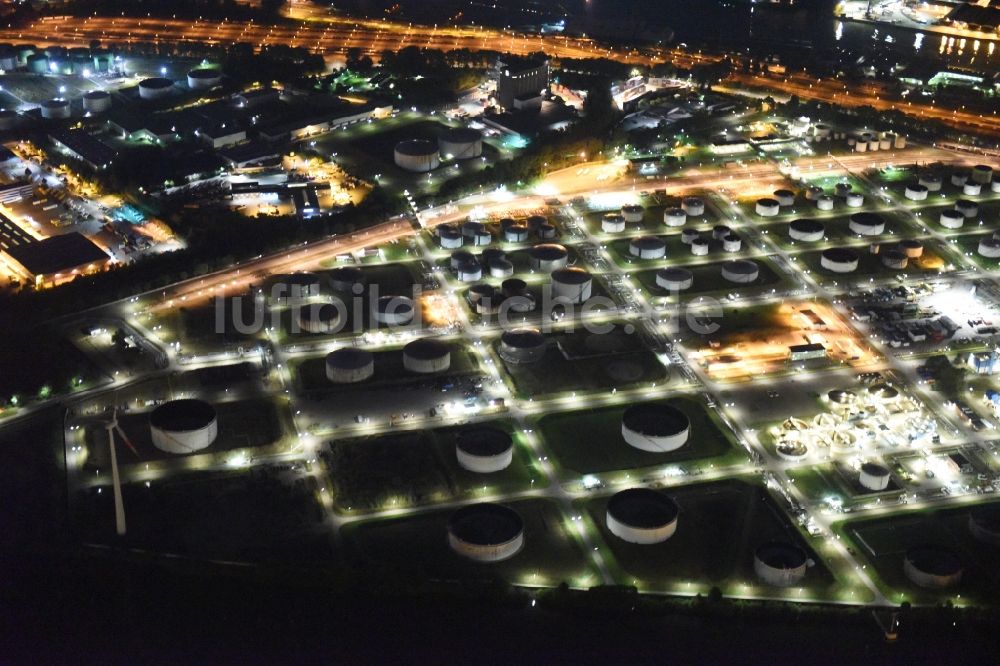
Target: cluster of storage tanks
[[471, 232], [873, 141], [55, 59], [421, 155], [973, 183]]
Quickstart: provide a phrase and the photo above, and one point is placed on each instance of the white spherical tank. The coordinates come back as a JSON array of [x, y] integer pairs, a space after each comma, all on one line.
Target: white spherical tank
[[183, 426], [655, 427], [484, 450], [642, 516], [573, 284], [486, 532], [780, 564], [55, 109], [674, 279], [460, 143], [155, 88], [874, 476], [349, 365], [741, 271], [96, 101], [839, 260], [426, 356], [204, 78], [416, 155], [647, 247], [674, 217]]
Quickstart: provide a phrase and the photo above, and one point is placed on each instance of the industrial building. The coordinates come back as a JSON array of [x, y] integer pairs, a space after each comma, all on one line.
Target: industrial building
[[51, 260], [80, 145], [521, 83]]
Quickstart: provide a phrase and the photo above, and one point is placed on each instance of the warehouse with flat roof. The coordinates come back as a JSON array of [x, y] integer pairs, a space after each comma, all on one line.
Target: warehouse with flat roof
[[55, 259]]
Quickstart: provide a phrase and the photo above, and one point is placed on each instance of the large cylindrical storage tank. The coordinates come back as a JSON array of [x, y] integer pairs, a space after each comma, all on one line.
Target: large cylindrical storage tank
[[426, 356], [932, 567], [655, 427], [732, 243], [839, 260], [688, 236], [38, 63], [916, 192], [814, 192], [461, 257], [951, 219], [204, 78], [874, 476], [995, 186], [632, 213], [155, 88], [8, 119], [347, 279], [767, 207], [514, 287], [469, 271], [449, 237], [674, 279], [55, 109], [548, 257], [784, 197], [854, 199], [486, 532], [912, 247], [931, 181], [460, 143], [982, 174], [96, 101], [546, 231], [861, 146], [693, 206], [572, 284], [972, 189], [967, 208], [484, 450], [989, 247], [393, 310], [517, 233], [700, 246], [647, 247], [319, 318], [642, 516], [613, 223], [824, 202], [959, 178], [741, 271], [501, 268], [867, 224], [416, 155], [522, 345], [349, 365], [806, 230], [720, 231], [183, 426], [780, 564], [899, 142], [895, 259], [984, 523], [674, 217], [841, 189]]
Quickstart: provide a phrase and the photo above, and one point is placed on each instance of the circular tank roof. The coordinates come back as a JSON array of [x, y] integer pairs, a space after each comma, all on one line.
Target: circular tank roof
[[416, 147], [571, 275], [867, 219], [523, 337], [934, 560], [97, 94], [182, 415], [781, 555], [675, 274], [874, 469], [643, 508], [655, 419], [156, 83], [319, 312], [55, 103], [806, 226], [426, 349], [840, 255], [839, 395], [740, 267], [548, 251], [484, 441], [486, 524], [205, 73], [349, 358]]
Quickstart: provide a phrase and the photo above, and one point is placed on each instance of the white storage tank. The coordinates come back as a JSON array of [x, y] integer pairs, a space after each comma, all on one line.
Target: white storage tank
[[720, 231], [426, 356], [460, 143], [989, 247], [958, 179], [982, 174], [767, 207], [899, 142], [460, 257], [854, 199], [501, 268], [349, 365], [700, 246], [522, 345], [393, 310], [632, 213], [732, 243], [912, 247], [972, 189], [895, 259], [932, 567], [548, 257], [96, 101], [784, 198], [916, 192], [951, 219], [155, 88], [416, 155], [484, 450], [780, 564], [814, 192], [613, 223], [874, 476], [741, 271], [450, 237], [689, 235], [486, 532], [183, 426], [824, 202], [867, 224], [967, 208], [693, 206], [573, 284], [931, 181], [642, 516], [517, 233], [55, 109], [806, 230], [321, 318], [204, 78], [674, 217], [839, 260], [647, 247], [674, 279], [469, 271], [995, 186], [655, 427]]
